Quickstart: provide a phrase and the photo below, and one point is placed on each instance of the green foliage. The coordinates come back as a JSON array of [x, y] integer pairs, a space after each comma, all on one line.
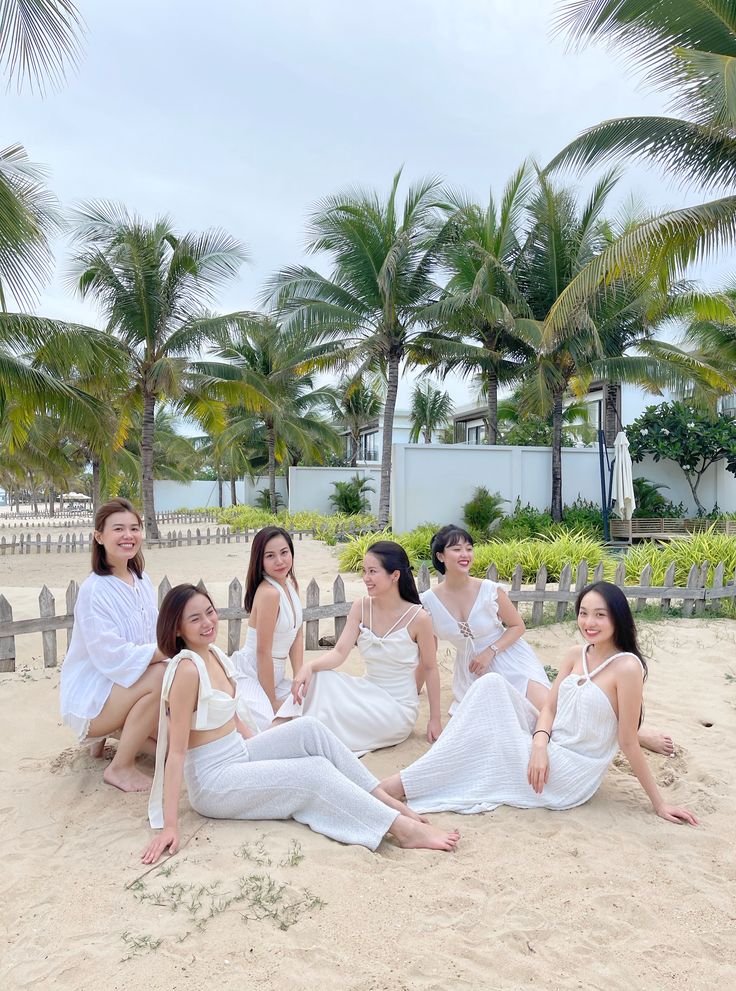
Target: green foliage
[[329, 529], [553, 551], [350, 497], [685, 552], [525, 521], [245, 517], [584, 516], [650, 503], [263, 500], [352, 554], [483, 510]]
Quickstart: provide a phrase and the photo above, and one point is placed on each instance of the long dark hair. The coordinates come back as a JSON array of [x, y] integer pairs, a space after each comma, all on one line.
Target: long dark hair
[[100, 564], [169, 617], [393, 557], [448, 536], [255, 566]]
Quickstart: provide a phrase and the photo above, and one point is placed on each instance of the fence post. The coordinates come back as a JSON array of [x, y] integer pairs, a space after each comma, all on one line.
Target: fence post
[[564, 586], [7, 644], [38, 543], [702, 582], [540, 585], [163, 588], [688, 605], [620, 574], [598, 573], [492, 572], [47, 608], [516, 582], [581, 577], [338, 595], [645, 581], [72, 591], [717, 584], [234, 601], [422, 579], [669, 581], [311, 640]]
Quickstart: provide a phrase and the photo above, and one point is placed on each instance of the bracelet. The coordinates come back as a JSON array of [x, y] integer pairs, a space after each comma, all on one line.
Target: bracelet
[[549, 735]]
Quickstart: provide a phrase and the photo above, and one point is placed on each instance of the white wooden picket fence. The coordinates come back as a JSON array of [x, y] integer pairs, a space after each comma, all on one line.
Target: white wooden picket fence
[[696, 597]]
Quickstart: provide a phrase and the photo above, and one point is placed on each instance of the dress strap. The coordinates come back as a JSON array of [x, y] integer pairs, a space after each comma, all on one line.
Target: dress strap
[[413, 610], [285, 598], [590, 675]]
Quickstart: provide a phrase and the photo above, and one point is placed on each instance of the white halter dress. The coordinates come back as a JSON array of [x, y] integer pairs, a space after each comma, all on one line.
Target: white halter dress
[[481, 759], [378, 710], [518, 664], [288, 624]]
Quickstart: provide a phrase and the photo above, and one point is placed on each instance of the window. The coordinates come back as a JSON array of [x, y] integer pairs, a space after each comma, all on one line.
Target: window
[[476, 434], [368, 447]]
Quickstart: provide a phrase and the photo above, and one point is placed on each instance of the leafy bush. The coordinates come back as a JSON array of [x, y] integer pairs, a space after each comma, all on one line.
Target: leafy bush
[[584, 516], [352, 554], [417, 543], [695, 549], [483, 510], [553, 551], [350, 497], [263, 500], [326, 528], [650, 503], [525, 521], [245, 517]]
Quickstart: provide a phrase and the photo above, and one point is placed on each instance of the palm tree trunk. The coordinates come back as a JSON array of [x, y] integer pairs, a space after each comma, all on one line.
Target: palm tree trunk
[[492, 393], [427, 435], [611, 415], [233, 491], [95, 485], [389, 408], [557, 457], [52, 500], [271, 438], [355, 444], [219, 490], [149, 506]]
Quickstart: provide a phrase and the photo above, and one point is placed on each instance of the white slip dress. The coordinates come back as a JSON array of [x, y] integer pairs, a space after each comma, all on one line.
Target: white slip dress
[[288, 624], [379, 709], [482, 757], [518, 664]]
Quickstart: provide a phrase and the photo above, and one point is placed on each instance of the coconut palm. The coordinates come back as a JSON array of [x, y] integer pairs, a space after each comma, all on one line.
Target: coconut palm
[[357, 402], [381, 282], [267, 367], [431, 408], [39, 40], [153, 286], [688, 49], [473, 325]]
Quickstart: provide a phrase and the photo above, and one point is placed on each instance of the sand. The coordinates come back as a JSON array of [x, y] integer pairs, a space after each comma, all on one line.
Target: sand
[[606, 896]]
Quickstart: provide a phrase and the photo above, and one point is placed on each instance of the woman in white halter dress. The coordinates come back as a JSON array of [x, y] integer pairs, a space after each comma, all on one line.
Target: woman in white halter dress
[[498, 750], [395, 640], [275, 626], [380, 709]]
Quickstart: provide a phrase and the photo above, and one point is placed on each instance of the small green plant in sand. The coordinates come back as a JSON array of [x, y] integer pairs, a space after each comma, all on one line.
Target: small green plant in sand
[[294, 856], [137, 945], [255, 852]]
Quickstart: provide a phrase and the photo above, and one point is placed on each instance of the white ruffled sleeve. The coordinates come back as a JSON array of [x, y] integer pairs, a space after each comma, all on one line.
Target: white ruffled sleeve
[[108, 651]]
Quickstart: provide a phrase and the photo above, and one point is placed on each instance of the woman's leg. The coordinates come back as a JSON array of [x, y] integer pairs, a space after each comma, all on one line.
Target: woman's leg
[[133, 711]]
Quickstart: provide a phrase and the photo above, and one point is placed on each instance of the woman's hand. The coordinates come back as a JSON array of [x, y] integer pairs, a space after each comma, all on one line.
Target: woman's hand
[[481, 662], [673, 813], [300, 684], [538, 770], [434, 728], [168, 837]]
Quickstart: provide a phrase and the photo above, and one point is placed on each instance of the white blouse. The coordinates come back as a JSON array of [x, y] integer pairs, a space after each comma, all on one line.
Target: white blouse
[[113, 641]]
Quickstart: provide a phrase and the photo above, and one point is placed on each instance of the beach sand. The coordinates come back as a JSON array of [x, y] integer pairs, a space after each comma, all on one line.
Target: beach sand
[[606, 896]]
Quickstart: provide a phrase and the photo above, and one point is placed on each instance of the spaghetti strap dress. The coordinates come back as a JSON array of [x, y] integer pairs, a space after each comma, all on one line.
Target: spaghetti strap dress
[[481, 759], [378, 709], [518, 664], [288, 624]]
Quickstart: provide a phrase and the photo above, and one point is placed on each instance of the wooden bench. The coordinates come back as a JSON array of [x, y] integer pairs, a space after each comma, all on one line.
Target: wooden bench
[[666, 528]]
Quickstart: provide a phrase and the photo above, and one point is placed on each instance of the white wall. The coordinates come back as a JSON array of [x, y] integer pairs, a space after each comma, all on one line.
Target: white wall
[[191, 495], [718, 486], [311, 488]]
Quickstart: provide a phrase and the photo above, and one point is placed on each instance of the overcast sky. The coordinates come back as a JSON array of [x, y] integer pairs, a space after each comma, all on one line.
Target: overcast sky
[[242, 114]]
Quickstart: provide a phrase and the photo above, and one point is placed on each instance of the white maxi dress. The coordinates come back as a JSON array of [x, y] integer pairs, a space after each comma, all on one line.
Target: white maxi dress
[[378, 710], [518, 664], [288, 624], [482, 757]]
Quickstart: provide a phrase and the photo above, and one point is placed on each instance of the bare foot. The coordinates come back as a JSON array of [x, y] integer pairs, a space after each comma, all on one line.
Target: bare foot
[[127, 778], [413, 835], [97, 749], [658, 743], [395, 803], [393, 786]]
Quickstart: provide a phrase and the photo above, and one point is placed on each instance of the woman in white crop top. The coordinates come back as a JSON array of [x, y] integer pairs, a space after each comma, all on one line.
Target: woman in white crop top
[[298, 770], [274, 626]]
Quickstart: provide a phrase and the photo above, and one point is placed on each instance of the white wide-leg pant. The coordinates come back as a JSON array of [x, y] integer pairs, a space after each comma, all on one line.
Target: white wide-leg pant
[[298, 770]]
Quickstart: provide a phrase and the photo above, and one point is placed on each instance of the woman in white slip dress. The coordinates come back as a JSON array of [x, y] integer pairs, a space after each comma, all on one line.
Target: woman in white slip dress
[[295, 771], [478, 618], [480, 621], [394, 636], [274, 628], [498, 750]]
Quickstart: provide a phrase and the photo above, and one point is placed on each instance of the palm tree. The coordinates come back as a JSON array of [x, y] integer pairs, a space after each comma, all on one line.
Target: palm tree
[[431, 408], [153, 286], [688, 48], [473, 325], [266, 368], [356, 403], [39, 39], [381, 282]]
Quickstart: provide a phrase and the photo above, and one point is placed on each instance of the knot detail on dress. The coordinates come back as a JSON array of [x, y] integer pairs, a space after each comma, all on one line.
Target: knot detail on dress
[[465, 630]]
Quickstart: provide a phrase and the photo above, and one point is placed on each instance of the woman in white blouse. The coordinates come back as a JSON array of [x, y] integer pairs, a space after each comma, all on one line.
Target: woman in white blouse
[[111, 677]]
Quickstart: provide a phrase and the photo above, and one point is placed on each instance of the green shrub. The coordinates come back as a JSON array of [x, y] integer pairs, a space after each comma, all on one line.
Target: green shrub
[[245, 517], [525, 521], [352, 554], [483, 510], [554, 552], [584, 516], [695, 549], [263, 500], [417, 543], [651, 503], [350, 497]]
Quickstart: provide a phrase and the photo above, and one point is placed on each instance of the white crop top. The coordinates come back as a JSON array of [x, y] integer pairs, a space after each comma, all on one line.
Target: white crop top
[[214, 709]]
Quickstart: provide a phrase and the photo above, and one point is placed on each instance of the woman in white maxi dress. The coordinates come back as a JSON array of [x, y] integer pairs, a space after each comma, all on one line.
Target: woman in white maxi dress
[[498, 750], [395, 640], [298, 770], [274, 632]]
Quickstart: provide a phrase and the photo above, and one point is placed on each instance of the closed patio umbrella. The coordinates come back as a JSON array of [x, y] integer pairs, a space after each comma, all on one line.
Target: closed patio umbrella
[[622, 487]]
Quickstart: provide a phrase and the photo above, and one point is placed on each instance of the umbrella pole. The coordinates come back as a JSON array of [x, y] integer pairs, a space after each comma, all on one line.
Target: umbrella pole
[[602, 458]]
